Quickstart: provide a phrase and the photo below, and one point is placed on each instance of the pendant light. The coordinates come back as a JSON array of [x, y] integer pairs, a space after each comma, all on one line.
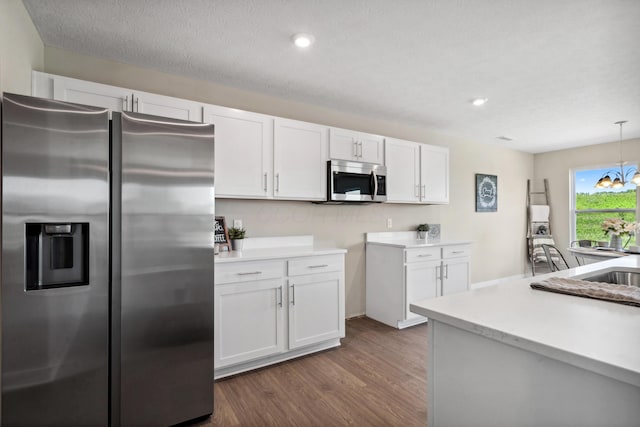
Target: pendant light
[[619, 181]]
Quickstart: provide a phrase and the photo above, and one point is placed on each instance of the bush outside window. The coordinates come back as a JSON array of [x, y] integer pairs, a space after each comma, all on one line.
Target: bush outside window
[[591, 206]]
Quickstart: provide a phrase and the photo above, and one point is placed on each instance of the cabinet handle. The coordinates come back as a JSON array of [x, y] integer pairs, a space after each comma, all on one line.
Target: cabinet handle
[[446, 271], [424, 255], [424, 190], [135, 100], [437, 274], [293, 294], [318, 266], [265, 182], [417, 192], [277, 183], [355, 148], [125, 103], [360, 145], [249, 273], [280, 295], [457, 252]]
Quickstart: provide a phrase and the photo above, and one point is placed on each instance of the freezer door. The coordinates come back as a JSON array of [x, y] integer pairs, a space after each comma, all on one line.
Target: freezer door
[[55, 313], [166, 283]]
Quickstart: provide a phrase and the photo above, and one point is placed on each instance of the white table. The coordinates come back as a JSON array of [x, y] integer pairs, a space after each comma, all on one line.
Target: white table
[[508, 355], [595, 254]]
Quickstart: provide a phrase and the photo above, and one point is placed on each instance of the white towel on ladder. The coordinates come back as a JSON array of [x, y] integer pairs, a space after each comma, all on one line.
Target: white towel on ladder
[[539, 213]]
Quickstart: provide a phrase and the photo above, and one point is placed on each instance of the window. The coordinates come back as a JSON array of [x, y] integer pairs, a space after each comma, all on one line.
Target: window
[[590, 205]]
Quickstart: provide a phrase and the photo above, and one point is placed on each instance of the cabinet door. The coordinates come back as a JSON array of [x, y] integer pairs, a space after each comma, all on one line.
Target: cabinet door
[[89, 93], [346, 144], [422, 279], [248, 321], [166, 106], [371, 148], [455, 276], [299, 160], [244, 152], [343, 144], [434, 174], [316, 308], [402, 159]]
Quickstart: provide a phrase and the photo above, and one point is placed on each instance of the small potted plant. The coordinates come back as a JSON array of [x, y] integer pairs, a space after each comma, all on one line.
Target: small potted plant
[[236, 235], [423, 229]]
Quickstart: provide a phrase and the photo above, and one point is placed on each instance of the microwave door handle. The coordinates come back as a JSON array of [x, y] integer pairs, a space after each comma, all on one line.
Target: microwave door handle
[[374, 182]]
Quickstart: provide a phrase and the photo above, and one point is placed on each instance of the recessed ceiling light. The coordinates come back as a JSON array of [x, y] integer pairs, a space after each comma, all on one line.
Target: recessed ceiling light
[[479, 101], [303, 40], [504, 138]]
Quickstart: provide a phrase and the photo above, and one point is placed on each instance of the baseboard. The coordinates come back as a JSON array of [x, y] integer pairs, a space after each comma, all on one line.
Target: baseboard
[[356, 315], [496, 281]]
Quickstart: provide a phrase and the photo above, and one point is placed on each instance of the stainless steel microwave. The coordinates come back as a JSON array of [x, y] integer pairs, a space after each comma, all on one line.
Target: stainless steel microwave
[[356, 182]]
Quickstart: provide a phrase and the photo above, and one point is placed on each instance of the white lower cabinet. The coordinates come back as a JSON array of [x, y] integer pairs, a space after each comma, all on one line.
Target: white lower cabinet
[[422, 282], [249, 321], [270, 311], [398, 276]]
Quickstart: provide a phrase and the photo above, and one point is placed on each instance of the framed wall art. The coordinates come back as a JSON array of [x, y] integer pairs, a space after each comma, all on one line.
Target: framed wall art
[[486, 193]]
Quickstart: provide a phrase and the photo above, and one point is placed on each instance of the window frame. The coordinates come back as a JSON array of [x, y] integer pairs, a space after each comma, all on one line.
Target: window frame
[[572, 197]]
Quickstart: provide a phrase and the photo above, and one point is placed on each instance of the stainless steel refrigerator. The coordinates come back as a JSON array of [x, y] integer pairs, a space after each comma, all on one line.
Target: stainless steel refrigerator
[[107, 266]]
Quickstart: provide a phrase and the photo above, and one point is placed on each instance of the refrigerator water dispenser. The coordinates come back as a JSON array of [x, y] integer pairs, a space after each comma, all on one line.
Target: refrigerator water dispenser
[[57, 255]]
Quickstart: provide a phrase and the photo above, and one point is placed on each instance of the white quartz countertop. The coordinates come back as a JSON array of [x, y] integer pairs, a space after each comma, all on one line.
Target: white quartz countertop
[[263, 248], [415, 243], [600, 336], [408, 239]]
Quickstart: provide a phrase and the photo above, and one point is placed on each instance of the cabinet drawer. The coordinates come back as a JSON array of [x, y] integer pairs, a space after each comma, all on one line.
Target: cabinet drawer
[[422, 254], [316, 264], [456, 251], [248, 271]]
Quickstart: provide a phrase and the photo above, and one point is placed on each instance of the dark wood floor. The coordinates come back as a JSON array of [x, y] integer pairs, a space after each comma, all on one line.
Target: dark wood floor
[[376, 378]]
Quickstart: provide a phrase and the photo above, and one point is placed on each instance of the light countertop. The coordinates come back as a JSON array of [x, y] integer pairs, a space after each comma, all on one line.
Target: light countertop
[[408, 239], [600, 336], [264, 248]]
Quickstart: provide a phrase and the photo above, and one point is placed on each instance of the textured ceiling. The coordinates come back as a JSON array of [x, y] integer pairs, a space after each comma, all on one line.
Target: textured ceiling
[[557, 73]]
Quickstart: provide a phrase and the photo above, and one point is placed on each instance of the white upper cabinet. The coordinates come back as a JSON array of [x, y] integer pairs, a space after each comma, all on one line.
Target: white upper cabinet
[[402, 159], [89, 93], [166, 106], [114, 98], [434, 173], [244, 152], [299, 160], [416, 173], [357, 146]]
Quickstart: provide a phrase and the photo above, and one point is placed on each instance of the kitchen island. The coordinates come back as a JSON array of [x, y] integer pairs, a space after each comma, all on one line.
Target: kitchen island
[[508, 355]]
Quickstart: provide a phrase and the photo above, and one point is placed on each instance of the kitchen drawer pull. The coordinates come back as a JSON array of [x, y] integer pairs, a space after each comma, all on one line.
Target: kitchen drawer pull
[[424, 255], [249, 273], [318, 266], [457, 252]]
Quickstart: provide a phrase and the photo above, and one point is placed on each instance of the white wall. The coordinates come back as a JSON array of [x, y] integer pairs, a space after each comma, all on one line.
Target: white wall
[[499, 246], [556, 166], [21, 49]]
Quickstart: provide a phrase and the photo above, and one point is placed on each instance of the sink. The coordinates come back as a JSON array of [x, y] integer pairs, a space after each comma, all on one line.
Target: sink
[[616, 276]]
